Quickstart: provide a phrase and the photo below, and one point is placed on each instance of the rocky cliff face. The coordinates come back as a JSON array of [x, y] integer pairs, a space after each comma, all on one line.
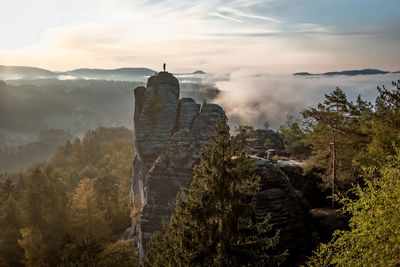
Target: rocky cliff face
[[287, 210], [169, 133], [257, 142]]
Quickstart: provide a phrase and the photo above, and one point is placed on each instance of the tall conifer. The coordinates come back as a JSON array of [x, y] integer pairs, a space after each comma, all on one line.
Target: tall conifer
[[215, 222]]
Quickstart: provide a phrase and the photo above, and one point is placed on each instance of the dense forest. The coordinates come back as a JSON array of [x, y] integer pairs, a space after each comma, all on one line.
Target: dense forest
[[73, 209]]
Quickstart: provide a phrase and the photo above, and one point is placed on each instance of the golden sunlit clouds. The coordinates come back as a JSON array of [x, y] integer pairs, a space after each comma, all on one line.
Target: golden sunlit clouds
[[217, 36], [94, 46]]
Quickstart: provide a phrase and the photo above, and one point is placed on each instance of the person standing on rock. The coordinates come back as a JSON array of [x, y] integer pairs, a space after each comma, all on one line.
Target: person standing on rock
[[164, 65]]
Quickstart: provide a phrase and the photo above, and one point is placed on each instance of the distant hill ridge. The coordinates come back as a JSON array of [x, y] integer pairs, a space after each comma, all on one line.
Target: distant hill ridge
[[346, 72], [26, 72], [120, 71], [23, 72]]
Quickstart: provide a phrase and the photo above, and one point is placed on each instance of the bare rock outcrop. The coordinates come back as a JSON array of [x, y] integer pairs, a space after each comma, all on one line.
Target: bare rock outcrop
[[287, 211], [169, 133], [257, 142]]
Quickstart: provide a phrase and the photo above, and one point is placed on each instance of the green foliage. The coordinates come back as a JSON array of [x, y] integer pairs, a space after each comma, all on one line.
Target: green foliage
[[384, 130], [88, 222], [215, 223], [374, 237], [10, 222], [84, 254], [120, 253], [75, 207], [336, 137], [17, 157], [35, 247], [45, 202], [295, 136]]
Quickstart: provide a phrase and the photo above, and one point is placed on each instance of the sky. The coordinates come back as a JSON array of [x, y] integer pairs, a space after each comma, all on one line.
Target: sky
[[257, 36]]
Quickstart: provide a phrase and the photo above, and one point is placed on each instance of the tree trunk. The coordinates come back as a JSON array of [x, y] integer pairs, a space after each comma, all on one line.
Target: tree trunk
[[333, 163]]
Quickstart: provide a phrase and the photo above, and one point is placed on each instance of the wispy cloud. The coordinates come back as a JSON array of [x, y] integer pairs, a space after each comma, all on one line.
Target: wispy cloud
[[215, 35], [249, 3], [226, 17], [248, 15], [245, 33], [311, 27]]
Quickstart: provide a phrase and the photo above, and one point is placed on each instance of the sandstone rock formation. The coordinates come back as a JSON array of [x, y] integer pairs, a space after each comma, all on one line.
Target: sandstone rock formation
[[287, 210], [169, 133], [285, 203], [257, 142], [327, 221], [309, 184]]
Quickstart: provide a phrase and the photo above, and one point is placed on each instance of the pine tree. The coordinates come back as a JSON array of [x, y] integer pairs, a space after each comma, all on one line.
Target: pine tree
[[332, 147], [294, 136], [35, 247], [7, 190], [88, 222], [215, 222], [120, 253], [383, 127], [10, 223], [45, 202], [88, 228]]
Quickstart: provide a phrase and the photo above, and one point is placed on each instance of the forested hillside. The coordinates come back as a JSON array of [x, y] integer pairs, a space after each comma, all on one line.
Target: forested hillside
[[73, 209]]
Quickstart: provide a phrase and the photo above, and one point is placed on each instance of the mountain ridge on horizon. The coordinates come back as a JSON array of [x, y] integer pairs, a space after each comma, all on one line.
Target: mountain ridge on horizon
[[28, 72], [347, 72]]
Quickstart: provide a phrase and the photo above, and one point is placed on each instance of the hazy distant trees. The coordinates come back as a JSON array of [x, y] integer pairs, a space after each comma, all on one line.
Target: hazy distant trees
[[11, 221], [44, 203], [72, 210], [27, 106], [22, 156]]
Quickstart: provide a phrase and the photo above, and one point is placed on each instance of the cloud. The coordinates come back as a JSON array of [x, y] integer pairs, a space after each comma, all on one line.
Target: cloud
[[249, 3], [312, 27], [247, 15], [215, 35], [245, 33], [226, 17], [250, 99]]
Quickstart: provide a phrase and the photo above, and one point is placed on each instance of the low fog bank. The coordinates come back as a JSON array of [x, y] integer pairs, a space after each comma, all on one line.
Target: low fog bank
[[76, 106], [250, 99], [29, 106]]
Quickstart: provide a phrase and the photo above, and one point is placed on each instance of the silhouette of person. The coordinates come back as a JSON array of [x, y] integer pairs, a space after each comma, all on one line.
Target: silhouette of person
[[164, 66]]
